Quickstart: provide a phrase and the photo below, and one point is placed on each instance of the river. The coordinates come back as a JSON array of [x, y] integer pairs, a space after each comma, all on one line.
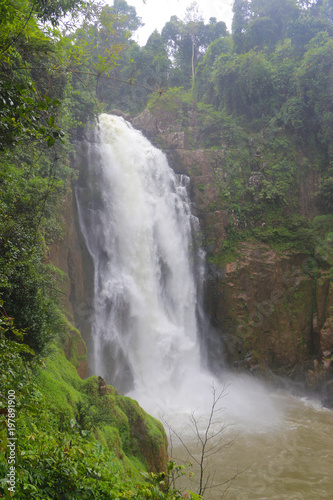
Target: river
[[287, 457]]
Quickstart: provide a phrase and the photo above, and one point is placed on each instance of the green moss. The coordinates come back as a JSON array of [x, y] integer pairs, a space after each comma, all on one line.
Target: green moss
[[113, 440], [147, 437], [196, 169], [155, 430], [59, 274], [73, 344], [117, 422], [76, 345], [322, 224], [60, 382], [175, 101], [90, 386]]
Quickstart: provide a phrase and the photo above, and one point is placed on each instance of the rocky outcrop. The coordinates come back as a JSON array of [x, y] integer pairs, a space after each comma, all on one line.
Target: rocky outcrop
[[321, 374], [140, 436], [307, 200], [161, 129], [263, 304]]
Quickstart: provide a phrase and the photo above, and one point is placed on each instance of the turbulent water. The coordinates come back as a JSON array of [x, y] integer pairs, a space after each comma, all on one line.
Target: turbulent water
[[290, 460], [142, 237]]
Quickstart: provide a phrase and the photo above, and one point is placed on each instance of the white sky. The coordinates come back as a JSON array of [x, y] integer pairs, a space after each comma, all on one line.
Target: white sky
[[155, 13]]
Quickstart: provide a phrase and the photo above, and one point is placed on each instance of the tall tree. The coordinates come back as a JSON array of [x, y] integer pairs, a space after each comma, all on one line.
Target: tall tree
[[261, 23], [241, 18], [46, 92], [280, 12], [187, 41], [194, 21]]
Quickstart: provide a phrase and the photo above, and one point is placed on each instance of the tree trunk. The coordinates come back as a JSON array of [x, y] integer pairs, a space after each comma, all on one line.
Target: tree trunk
[[192, 60]]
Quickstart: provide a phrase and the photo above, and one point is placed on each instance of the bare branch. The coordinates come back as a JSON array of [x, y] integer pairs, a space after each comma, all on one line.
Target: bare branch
[[209, 439]]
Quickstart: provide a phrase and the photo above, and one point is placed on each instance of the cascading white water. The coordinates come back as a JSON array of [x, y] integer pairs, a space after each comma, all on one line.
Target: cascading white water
[[140, 238], [139, 230]]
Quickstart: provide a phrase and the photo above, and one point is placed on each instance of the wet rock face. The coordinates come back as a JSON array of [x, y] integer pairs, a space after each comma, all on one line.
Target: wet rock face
[[263, 305], [71, 257], [327, 394], [161, 130]]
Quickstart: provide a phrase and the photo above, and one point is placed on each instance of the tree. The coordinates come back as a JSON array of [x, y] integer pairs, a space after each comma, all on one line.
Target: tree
[[204, 87], [261, 22], [325, 195], [124, 72], [24, 113], [240, 21], [280, 12], [42, 80], [194, 20], [243, 84], [186, 42], [209, 439], [314, 88], [304, 28], [128, 20], [326, 11]]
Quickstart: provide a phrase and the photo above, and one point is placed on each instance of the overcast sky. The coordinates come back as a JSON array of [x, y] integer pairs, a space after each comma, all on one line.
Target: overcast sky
[[155, 13]]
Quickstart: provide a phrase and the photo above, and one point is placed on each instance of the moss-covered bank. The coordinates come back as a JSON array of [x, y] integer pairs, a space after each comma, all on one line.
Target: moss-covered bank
[[76, 438]]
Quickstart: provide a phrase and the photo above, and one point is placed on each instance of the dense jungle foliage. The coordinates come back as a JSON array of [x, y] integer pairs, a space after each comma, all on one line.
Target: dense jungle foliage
[[263, 93]]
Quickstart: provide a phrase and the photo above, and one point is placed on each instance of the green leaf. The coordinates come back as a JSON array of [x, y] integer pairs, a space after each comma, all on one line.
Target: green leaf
[[50, 141]]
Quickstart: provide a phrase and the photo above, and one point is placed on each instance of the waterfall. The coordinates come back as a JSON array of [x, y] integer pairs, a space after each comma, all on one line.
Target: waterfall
[[141, 235], [140, 232]]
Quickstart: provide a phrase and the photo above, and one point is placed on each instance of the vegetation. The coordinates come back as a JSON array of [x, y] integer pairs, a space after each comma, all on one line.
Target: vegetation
[[209, 437], [264, 95]]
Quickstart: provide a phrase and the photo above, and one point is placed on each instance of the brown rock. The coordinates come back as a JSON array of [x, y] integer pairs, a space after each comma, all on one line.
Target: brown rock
[[326, 338], [75, 272]]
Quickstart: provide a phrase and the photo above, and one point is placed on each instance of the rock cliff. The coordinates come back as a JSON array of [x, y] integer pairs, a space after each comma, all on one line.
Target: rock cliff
[[75, 270]]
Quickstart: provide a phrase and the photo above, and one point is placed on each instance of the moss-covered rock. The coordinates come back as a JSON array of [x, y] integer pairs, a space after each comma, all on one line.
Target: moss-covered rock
[[118, 422], [75, 350], [264, 304], [147, 439]]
